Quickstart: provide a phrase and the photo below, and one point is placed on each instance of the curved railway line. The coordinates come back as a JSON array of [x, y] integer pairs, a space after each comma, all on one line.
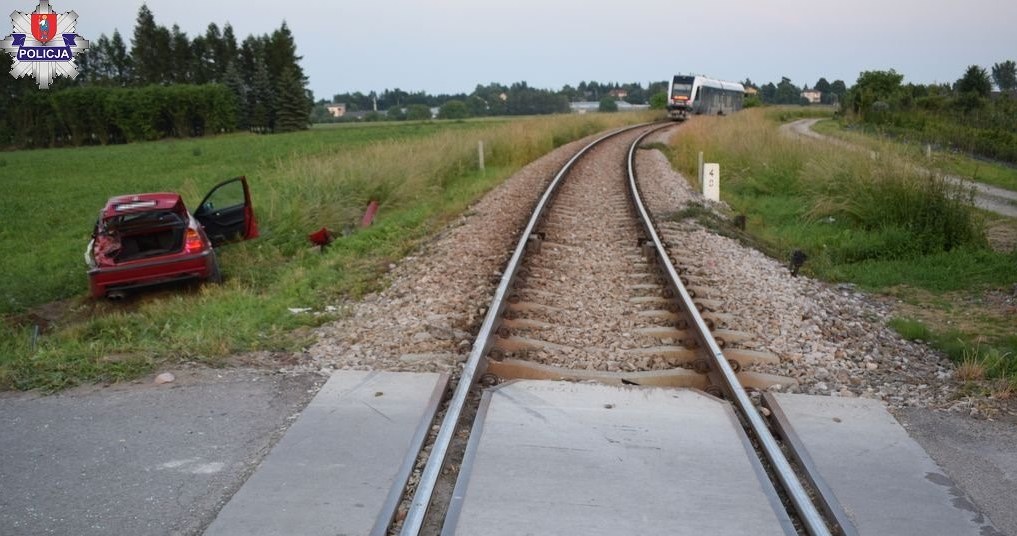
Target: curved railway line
[[590, 249]]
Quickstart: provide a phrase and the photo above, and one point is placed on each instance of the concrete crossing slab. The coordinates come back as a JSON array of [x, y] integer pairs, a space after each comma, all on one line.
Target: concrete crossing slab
[[883, 481], [582, 458], [341, 467]]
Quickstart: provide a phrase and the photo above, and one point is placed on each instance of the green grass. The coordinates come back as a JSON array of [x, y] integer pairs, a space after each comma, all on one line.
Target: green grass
[[997, 359], [881, 223], [52, 197], [424, 175], [995, 173], [910, 329]]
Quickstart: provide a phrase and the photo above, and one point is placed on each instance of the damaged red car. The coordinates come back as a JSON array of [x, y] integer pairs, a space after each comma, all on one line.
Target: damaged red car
[[149, 239]]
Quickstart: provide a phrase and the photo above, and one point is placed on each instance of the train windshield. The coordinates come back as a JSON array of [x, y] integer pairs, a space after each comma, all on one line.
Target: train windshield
[[681, 89]]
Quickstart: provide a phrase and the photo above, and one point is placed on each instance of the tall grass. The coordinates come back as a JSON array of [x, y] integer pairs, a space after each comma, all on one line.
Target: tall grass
[[422, 175], [841, 206], [871, 217]]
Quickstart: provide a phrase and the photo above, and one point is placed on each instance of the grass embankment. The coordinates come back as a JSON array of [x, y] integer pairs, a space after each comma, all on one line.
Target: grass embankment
[[422, 174], [880, 223], [954, 163]]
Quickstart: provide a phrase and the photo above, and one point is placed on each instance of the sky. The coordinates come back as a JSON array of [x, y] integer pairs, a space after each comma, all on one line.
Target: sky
[[450, 46]]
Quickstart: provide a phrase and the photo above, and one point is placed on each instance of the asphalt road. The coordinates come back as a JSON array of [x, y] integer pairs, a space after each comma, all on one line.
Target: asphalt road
[[980, 456], [139, 459]]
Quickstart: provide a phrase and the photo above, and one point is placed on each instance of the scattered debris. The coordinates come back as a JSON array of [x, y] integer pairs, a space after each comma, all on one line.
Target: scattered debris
[[321, 238], [798, 258], [369, 214], [165, 377]]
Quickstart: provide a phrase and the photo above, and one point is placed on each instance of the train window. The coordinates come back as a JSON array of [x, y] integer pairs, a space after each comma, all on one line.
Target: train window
[[681, 89]]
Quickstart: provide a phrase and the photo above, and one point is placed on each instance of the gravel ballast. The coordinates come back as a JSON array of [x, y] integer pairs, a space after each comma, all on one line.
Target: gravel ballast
[[832, 339]]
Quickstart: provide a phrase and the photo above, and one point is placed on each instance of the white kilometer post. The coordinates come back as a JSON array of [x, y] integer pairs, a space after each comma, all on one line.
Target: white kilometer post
[[711, 182]]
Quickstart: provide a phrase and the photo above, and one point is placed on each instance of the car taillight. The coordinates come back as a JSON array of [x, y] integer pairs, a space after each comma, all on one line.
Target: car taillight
[[192, 242]]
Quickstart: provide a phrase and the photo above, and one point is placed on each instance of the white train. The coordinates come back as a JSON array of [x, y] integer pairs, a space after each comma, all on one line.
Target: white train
[[700, 95]]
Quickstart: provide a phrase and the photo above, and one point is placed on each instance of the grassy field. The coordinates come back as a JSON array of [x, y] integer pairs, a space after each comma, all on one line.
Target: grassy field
[[959, 164], [423, 175], [880, 223]]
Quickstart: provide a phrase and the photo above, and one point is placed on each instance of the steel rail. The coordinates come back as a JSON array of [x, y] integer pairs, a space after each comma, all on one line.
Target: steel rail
[[807, 511], [475, 365]]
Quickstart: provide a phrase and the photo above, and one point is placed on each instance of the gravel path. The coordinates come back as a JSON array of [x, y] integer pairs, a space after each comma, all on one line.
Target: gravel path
[[831, 338]]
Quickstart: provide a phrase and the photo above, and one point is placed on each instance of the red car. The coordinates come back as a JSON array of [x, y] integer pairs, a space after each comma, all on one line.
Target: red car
[[148, 239]]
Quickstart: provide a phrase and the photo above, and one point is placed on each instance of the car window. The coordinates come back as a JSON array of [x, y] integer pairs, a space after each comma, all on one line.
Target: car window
[[226, 196]]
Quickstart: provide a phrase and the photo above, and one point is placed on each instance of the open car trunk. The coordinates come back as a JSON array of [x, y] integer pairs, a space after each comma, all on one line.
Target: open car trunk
[[138, 236]]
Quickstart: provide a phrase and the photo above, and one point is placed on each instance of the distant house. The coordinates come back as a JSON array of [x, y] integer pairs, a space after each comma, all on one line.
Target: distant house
[[813, 96], [750, 91], [618, 93], [336, 110]]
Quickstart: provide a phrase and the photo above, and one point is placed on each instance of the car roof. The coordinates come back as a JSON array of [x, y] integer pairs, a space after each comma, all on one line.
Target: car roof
[[130, 204]]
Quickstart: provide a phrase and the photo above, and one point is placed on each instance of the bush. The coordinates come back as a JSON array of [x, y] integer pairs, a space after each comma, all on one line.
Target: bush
[[658, 101], [608, 104], [453, 109], [418, 112]]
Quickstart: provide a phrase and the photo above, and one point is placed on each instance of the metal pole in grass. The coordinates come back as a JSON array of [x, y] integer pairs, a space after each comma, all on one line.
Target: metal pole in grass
[[34, 339], [480, 154]]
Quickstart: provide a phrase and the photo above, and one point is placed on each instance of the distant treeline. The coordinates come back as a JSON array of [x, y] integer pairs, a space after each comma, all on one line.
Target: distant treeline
[[965, 115], [785, 92], [166, 84], [491, 100]]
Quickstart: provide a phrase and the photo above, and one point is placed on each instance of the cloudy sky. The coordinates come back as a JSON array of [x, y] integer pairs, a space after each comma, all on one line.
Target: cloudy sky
[[452, 45]]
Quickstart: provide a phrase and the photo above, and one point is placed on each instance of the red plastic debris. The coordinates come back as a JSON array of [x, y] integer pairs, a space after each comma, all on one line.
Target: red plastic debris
[[372, 210], [322, 237]]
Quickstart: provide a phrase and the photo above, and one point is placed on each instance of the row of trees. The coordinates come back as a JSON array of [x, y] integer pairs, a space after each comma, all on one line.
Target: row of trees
[[493, 99], [964, 114], [785, 92], [520, 99], [262, 78]]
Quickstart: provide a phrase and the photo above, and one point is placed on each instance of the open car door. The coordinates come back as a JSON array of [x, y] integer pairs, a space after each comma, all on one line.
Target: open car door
[[226, 212]]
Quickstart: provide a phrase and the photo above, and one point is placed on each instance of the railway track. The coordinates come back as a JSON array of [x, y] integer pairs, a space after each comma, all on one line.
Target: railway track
[[591, 293], [568, 416]]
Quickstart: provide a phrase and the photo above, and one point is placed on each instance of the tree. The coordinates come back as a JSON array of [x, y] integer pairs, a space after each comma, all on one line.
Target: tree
[[658, 101], [873, 87], [418, 112], [788, 93], [396, 113], [119, 60], [235, 83], [1005, 75], [181, 57], [882, 85], [975, 80], [822, 86], [262, 100], [453, 109], [477, 106], [839, 88], [292, 112], [150, 49], [607, 104]]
